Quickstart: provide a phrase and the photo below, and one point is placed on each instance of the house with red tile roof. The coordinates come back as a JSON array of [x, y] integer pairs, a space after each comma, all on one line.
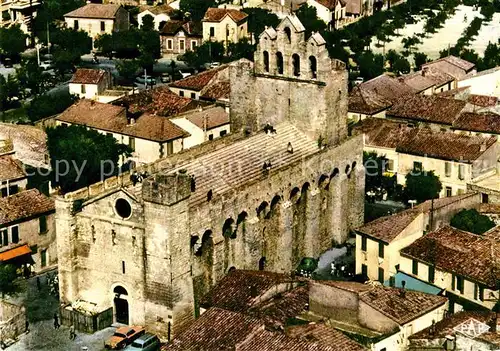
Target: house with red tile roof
[[225, 25], [330, 11], [179, 36], [466, 330], [88, 83], [466, 265], [452, 65], [379, 242], [210, 85], [457, 159], [150, 136], [27, 230], [98, 19], [203, 124], [13, 177], [382, 316]]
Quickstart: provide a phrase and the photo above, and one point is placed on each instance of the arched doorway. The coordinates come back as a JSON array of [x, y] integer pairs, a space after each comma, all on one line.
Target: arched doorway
[[121, 305], [262, 264]]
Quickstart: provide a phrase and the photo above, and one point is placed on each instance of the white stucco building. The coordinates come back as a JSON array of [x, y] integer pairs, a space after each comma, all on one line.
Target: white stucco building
[[90, 83], [483, 83]]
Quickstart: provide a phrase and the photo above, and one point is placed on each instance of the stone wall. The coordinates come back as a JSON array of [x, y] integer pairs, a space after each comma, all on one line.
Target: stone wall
[[12, 320]]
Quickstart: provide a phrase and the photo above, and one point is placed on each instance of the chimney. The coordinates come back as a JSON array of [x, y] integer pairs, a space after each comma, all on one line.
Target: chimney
[[131, 121], [289, 149], [483, 147], [200, 108], [402, 291], [424, 71], [494, 323], [92, 104]]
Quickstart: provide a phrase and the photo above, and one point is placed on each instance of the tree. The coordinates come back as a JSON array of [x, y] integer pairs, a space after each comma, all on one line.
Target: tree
[[49, 12], [422, 186], [48, 105], [258, 19], [472, 221], [149, 49], [196, 8], [127, 69], [12, 41], [240, 49], [76, 148], [375, 180], [401, 66], [8, 277], [77, 42], [148, 23], [309, 19], [31, 77], [207, 52], [491, 56], [370, 65], [392, 56], [104, 43], [420, 59], [9, 88]]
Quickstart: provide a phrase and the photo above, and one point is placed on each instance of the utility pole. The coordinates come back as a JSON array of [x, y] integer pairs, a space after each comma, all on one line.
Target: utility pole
[[48, 39]]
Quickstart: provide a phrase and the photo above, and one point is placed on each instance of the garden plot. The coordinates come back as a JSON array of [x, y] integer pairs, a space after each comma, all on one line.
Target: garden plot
[[447, 35]]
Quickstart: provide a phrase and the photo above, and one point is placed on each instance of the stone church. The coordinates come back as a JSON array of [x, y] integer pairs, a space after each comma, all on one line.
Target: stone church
[[287, 184]]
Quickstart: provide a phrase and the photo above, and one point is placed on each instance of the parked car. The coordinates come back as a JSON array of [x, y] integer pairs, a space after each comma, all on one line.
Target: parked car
[[165, 78], [214, 64], [146, 342], [123, 336], [7, 63], [358, 80], [142, 80]]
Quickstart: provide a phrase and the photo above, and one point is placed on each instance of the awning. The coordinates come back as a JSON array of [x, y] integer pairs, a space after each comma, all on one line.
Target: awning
[[21, 254]]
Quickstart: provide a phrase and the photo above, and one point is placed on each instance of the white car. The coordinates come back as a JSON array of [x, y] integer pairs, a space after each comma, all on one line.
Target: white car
[[359, 80]]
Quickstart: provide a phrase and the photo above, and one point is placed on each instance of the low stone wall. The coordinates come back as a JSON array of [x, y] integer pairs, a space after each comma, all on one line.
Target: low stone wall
[[12, 320]]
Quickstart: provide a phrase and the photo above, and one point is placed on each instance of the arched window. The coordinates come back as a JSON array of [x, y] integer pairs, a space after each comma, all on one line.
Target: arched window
[[120, 290], [296, 65], [288, 33], [266, 61], [279, 62], [313, 66]]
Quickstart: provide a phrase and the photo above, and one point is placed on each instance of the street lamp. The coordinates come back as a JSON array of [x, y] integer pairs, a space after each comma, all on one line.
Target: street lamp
[[38, 46]]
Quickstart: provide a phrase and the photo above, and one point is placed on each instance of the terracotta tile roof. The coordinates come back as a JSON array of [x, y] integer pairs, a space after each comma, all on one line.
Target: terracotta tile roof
[[478, 122], [157, 10], [389, 88], [427, 108], [494, 233], [380, 132], [353, 6], [367, 102], [29, 143], [482, 100], [250, 153], [239, 290], [159, 101], [390, 302], [88, 76], [276, 311], [209, 118], [9, 254], [215, 330], [455, 61], [427, 78], [268, 341], [331, 4], [198, 81], [320, 333], [10, 169], [24, 205], [388, 228], [191, 28], [114, 119], [455, 251], [445, 326], [218, 91], [217, 14], [489, 208], [446, 145], [107, 11]]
